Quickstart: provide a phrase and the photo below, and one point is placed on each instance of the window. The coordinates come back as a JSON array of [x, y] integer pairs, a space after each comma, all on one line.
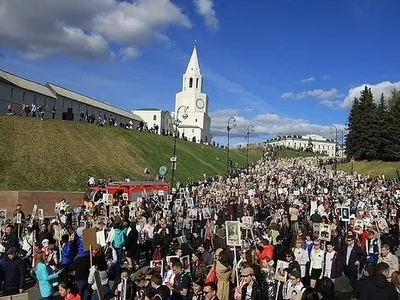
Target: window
[[192, 130], [23, 96], [154, 118], [34, 99], [12, 92], [190, 82], [195, 120], [197, 83]]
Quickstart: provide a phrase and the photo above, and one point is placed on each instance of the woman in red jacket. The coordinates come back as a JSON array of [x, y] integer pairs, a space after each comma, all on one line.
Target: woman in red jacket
[[65, 289]]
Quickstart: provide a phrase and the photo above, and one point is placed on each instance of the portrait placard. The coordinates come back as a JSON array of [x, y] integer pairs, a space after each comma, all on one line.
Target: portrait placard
[[325, 232], [40, 214], [3, 214], [280, 273], [247, 222], [345, 214], [233, 233]]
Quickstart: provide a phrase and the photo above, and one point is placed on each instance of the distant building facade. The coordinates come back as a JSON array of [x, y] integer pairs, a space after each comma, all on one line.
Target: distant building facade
[[197, 126], [312, 142], [18, 91], [155, 118]]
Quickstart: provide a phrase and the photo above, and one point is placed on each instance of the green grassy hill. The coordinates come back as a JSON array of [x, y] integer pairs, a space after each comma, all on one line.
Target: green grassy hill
[[59, 155], [373, 168]]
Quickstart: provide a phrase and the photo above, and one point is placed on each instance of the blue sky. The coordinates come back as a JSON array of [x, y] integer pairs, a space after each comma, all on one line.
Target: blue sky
[[284, 66]]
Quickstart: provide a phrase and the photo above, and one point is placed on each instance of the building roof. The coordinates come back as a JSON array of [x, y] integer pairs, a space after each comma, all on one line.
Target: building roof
[[301, 138], [193, 65], [147, 109], [188, 126], [58, 90], [27, 84]]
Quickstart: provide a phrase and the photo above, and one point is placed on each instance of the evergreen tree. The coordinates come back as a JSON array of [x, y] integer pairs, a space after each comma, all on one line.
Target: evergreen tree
[[393, 131], [383, 139], [351, 138], [367, 129]]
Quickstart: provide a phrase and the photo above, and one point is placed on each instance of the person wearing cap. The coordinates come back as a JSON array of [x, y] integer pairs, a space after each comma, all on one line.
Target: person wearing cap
[[293, 287], [14, 273], [250, 290]]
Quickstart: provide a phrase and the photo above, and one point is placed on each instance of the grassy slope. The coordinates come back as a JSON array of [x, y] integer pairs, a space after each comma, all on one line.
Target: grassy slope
[[373, 168], [58, 155]]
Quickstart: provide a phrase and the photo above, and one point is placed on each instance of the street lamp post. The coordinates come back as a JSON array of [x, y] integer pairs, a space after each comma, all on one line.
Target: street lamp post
[[228, 128], [280, 136], [249, 128], [176, 124], [336, 138], [342, 140]]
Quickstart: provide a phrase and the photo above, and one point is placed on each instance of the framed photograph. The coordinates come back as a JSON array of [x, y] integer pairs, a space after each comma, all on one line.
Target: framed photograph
[[57, 207], [393, 212], [157, 266], [168, 258], [181, 239], [359, 226], [125, 197], [280, 273], [233, 233], [18, 219], [115, 210], [247, 222], [178, 202], [325, 232], [192, 214], [185, 260], [110, 199], [40, 214], [345, 214], [206, 213], [190, 202], [3, 214]]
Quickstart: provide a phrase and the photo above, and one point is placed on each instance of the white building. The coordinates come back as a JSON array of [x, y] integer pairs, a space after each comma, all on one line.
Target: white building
[[317, 143], [197, 124], [153, 117]]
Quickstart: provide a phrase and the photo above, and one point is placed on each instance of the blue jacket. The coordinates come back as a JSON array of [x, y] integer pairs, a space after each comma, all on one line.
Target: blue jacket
[[45, 276], [119, 239], [82, 252], [67, 254]]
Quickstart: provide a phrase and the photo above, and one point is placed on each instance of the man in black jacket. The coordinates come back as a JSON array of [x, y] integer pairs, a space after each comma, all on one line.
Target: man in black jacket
[[14, 273], [353, 259], [11, 238], [251, 289]]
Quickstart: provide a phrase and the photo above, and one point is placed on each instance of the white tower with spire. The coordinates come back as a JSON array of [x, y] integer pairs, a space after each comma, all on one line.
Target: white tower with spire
[[197, 124]]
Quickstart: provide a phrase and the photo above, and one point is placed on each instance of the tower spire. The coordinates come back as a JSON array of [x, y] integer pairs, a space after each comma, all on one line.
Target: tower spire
[[193, 66]]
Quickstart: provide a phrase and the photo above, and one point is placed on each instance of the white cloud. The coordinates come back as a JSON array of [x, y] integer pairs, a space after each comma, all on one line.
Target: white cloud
[[288, 95], [267, 124], [308, 79], [325, 77], [44, 28], [205, 9], [329, 98], [377, 89], [248, 109]]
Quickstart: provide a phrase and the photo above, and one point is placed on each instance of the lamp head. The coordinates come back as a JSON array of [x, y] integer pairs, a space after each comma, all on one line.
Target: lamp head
[[185, 116], [234, 123]]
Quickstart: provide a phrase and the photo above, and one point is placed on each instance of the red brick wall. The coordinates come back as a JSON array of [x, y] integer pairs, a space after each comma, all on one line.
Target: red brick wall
[[45, 200]]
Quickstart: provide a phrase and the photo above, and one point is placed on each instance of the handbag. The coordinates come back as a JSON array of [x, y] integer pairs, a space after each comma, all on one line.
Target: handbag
[[212, 275]]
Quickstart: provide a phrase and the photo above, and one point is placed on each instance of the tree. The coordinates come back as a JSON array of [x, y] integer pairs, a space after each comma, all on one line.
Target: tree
[[352, 138], [393, 131], [382, 125]]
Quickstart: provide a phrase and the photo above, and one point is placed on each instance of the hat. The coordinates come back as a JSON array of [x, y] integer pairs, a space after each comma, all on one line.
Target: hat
[[342, 285], [295, 274], [247, 271], [12, 250], [45, 242]]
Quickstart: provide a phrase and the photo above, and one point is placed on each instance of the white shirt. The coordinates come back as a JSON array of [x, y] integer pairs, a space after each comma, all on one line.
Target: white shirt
[[317, 258], [348, 253], [328, 263], [301, 256]]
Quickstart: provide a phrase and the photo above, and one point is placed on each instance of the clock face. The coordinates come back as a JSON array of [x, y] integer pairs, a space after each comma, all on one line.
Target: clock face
[[200, 103]]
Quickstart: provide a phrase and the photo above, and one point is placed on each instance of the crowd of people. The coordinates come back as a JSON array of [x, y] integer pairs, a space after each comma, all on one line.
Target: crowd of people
[[303, 231]]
